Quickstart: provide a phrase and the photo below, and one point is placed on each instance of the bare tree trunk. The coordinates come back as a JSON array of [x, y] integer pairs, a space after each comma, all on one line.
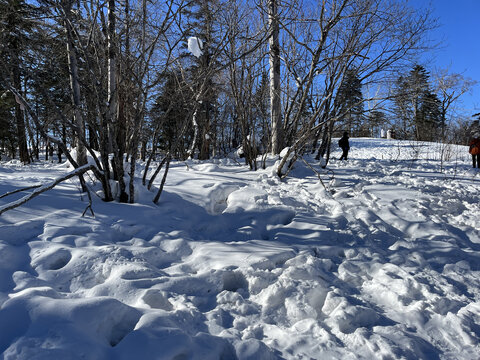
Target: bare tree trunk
[[135, 140], [112, 71], [204, 153], [115, 115], [20, 121], [143, 151], [150, 157], [274, 55], [133, 163], [34, 151], [191, 151], [120, 145], [324, 131], [328, 144], [75, 85], [160, 190]]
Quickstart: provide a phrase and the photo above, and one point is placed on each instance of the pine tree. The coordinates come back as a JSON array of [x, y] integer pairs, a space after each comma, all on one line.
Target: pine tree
[[416, 106], [431, 117], [376, 120], [202, 25], [16, 26], [49, 85], [168, 115], [8, 138], [349, 102], [261, 110]]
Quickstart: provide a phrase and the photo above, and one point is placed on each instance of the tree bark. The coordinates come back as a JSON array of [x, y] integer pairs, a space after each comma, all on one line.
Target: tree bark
[[112, 71], [159, 193], [116, 115], [274, 58], [191, 151], [20, 121], [75, 85]]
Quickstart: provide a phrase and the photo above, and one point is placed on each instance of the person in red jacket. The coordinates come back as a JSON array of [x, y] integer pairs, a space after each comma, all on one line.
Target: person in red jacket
[[474, 143], [474, 150]]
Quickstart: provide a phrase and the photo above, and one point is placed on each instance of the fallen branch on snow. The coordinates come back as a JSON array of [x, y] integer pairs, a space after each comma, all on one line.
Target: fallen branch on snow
[[316, 172], [46, 187], [19, 190]]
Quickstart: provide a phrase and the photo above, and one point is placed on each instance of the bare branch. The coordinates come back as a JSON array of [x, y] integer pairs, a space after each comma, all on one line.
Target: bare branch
[[19, 190], [42, 188]]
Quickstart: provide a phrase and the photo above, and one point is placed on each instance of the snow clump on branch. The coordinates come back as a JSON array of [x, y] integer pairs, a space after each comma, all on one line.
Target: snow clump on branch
[[195, 46]]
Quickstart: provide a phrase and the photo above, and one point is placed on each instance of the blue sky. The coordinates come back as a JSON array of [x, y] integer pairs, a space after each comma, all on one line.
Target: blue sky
[[459, 31]]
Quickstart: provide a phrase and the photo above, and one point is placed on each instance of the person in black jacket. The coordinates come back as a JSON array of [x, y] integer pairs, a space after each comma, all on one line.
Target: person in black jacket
[[344, 145]]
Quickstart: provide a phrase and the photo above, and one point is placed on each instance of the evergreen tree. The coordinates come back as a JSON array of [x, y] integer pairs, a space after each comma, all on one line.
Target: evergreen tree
[[430, 123], [8, 138], [349, 102], [49, 86], [403, 114], [16, 27], [261, 109], [169, 113], [375, 121], [416, 106], [202, 25]]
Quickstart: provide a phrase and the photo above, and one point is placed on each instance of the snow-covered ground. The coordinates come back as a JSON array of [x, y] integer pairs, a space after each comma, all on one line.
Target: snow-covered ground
[[382, 264]]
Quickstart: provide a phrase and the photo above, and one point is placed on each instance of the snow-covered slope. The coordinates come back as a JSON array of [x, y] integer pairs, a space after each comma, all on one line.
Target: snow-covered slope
[[383, 263]]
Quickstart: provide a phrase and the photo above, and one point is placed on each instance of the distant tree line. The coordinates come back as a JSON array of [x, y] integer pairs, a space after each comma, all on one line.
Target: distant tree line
[[114, 80]]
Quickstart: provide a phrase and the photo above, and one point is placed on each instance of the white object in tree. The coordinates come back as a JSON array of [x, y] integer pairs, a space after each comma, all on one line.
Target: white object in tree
[[195, 46]]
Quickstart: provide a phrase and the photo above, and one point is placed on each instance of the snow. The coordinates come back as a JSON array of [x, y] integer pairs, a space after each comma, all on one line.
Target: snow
[[383, 263]]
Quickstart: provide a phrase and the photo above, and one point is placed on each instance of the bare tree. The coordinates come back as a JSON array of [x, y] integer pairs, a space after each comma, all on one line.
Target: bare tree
[[449, 88], [245, 78], [373, 37], [14, 24], [66, 7]]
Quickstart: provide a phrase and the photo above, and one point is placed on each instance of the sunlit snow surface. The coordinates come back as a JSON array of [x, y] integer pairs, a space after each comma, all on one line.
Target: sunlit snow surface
[[235, 264]]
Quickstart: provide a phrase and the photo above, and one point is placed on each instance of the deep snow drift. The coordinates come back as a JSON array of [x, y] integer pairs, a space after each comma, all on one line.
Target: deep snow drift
[[232, 264]]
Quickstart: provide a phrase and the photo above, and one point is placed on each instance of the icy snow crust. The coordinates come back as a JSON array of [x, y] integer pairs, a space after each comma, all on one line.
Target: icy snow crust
[[235, 264]]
